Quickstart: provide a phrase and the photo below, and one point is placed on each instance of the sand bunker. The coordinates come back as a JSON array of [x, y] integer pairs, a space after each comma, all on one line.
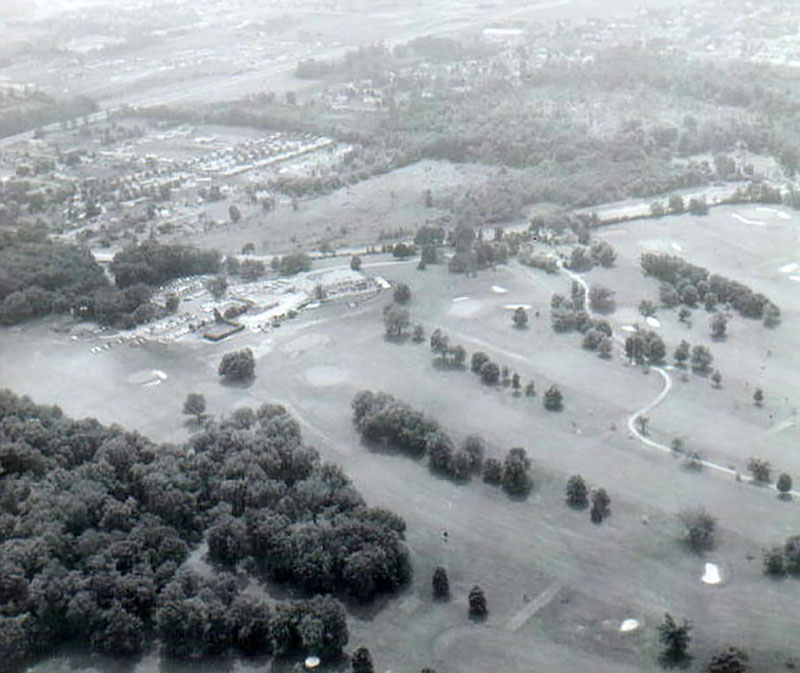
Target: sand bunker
[[653, 322], [784, 216], [147, 377], [629, 625], [498, 290], [676, 246], [788, 268], [794, 278], [745, 220], [325, 376], [514, 307], [465, 309], [711, 575], [311, 662], [457, 299], [628, 328]]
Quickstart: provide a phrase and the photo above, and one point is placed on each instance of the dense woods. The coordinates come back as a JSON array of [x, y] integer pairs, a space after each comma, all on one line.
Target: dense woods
[[95, 523]]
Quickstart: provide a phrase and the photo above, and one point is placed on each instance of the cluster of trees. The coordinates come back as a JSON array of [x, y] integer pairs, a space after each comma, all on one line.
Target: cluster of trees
[[513, 473], [689, 284], [645, 347], [95, 522], [450, 355], [199, 616], [583, 258], [491, 373], [381, 418], [153, 263], [473, 253], [567, 315], [675, 637], [440, 585], [699, 356], [783, 560], [577, 493]]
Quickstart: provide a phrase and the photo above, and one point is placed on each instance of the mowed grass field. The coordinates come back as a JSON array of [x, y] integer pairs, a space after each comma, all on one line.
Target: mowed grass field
[[580, 580]]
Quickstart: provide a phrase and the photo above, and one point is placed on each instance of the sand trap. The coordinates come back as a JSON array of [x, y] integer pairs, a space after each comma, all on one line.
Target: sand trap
[[465, 309], [794, 278], [147, 377], [784, 216], [676, 246], [788, 268], [745, 220], [514, 307], [325, 376], [460, 299], [498, 290], [311, 662], [628, 328], [653, 322], [711, 575], [629, 625]]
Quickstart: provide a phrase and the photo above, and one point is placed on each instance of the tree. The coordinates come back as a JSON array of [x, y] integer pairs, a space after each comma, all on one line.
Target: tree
[[516, 472], [234, 213], [758, 397], [172, 302], [477, 603], [252, 269], [642, 421], [647, 307], [676, 205], [701, 358], [760, 469], [784, 483], [362, 661], [601, 299], [657, 209], [600, 505], [698, 527], [355, 263], [674, 637], [684, 315], [520, 317], [195, 405], [402, 293], [553, 398], [474, 447], [217, 286], [602, 253], [515, 383], [248, 248], [729, 660], [682, 353], [606, 348], [419, 333], [530, 389], [773, 562], [719, 324], [238, 365], [698, 206], [490, 373], [396, 321], [577, 492], [478, 360], [492, 471], [440, 583], [716, 377]]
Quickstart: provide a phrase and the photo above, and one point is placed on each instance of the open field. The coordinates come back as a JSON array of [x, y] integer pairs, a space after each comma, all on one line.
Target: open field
[[582, 580]]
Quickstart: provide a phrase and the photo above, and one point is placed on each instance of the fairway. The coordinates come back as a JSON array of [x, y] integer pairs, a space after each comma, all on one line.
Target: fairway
[[558, 587]]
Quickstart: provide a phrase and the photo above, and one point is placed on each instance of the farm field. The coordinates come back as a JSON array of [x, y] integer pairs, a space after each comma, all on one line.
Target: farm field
[[580, 580]]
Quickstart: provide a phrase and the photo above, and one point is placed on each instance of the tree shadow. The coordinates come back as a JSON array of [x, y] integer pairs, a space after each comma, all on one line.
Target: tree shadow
[[397, 338], [785, 497], [448, 366], [674, 661], [577, 506], [238, 384]]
